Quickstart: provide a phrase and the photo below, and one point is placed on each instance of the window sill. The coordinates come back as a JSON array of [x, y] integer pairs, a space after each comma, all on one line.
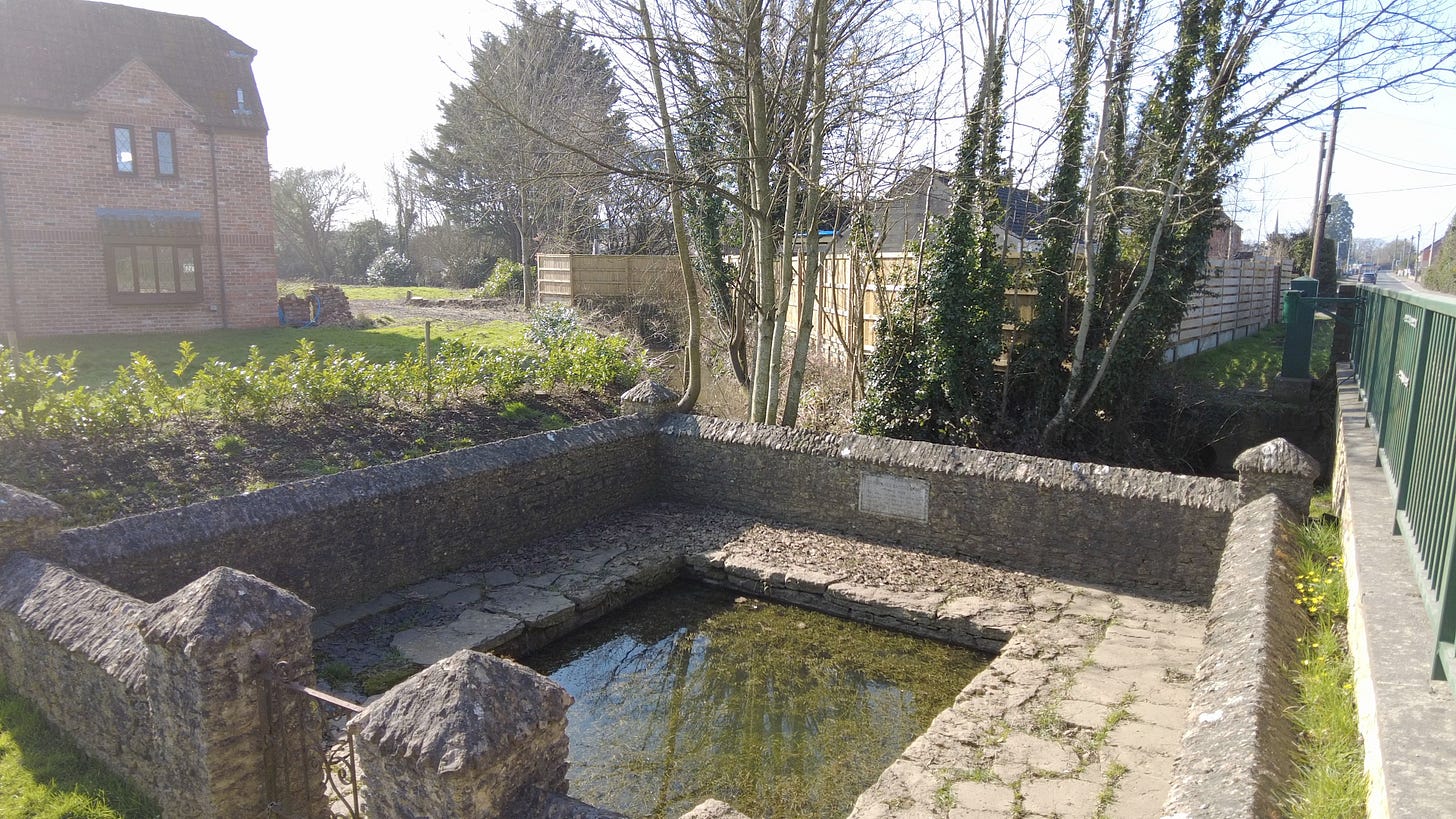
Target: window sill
[[145, 299]]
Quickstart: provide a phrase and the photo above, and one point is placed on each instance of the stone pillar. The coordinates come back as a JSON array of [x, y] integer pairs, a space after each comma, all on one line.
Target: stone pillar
[[231, 741], [649, 398], [25, 520], [1279, 467], [472, 735]]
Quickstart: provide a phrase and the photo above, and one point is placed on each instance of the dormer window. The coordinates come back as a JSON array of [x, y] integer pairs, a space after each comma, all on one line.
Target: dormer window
[[166, 145], [122, 143]]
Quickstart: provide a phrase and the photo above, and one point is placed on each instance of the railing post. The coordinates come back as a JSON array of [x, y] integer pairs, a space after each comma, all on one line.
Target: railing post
[[1293, 381], [1417, 382], [1445, 588]]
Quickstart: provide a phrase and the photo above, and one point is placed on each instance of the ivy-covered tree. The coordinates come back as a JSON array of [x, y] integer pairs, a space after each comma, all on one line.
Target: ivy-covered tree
[[1340, 226], [1037, 365], [1301, 249], [1441, 275], [933, 372]]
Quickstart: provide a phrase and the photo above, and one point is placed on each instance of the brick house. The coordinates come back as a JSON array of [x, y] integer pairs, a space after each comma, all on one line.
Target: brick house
[[134, 188]]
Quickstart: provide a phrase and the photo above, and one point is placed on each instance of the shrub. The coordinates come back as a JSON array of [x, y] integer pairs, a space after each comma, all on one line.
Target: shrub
[[467, 272], [390, 267], [577, 357], [505, 277], [27, 384]]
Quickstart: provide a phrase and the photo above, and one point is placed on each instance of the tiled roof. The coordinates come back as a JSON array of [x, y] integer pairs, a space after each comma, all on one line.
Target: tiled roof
[[54, 54], [1022, 215]]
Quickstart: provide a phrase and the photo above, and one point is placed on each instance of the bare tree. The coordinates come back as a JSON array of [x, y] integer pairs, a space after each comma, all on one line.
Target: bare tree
[[306, 207]]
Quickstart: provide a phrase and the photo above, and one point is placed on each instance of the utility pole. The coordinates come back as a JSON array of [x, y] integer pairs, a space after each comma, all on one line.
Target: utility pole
[[1320, 203], [1319, 181]]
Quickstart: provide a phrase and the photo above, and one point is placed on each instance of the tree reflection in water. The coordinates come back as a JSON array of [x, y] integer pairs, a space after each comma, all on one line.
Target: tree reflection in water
[[779, 711]]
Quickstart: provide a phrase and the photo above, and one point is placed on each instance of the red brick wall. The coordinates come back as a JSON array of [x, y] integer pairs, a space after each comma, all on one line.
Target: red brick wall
[[58, 169]]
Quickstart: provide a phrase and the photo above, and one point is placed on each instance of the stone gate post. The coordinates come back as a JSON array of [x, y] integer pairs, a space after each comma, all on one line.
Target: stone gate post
[[472, 735], [231, 742], [25, 520], [1279, 467]]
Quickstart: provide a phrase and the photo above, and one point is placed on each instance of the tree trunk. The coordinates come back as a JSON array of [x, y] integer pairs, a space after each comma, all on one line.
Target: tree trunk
[[819, 56], [693, 364]]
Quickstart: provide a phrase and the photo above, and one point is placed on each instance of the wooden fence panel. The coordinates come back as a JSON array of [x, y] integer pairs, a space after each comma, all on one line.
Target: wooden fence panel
[[574, 278]]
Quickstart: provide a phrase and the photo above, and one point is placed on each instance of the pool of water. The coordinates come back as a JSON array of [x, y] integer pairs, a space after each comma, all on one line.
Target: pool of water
[[780, 711]]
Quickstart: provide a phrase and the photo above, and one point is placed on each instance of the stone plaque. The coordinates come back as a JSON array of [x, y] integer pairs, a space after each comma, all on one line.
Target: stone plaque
[[895, 497]]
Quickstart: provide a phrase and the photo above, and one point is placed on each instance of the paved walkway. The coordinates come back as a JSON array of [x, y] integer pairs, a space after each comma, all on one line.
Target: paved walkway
[[1080, 714]]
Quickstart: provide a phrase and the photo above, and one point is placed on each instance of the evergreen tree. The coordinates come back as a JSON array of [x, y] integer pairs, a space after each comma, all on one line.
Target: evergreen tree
[[933, 373], [512, 152]]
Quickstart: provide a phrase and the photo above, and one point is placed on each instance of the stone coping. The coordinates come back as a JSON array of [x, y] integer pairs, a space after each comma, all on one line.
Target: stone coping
[[1407, 719], [1045, 473], [1238, 750], [1079, 712]]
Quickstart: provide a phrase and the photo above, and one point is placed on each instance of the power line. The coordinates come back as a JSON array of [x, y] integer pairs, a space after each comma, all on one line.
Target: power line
[[1386, 161], [1348, 194]]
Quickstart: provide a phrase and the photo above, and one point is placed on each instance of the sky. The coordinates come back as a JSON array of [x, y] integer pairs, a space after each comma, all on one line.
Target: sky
[[359, 84]]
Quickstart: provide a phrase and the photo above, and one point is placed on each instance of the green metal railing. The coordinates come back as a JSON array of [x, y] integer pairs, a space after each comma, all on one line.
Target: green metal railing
[[1405, 362]]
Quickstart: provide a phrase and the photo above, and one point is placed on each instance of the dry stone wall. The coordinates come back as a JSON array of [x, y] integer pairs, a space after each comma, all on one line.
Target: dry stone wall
[[1155, 533], [1238, 749], [72, 646], [180, 696], [346, 538]]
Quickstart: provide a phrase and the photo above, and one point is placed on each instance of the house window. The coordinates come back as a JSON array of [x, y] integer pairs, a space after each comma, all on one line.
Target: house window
[[122, 144], [153, 273], [165, 142]]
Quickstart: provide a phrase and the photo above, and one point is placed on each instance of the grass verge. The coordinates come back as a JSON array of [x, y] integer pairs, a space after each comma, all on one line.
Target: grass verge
[[1331, 775], [367, 292], [1251, 363], [43, 775]]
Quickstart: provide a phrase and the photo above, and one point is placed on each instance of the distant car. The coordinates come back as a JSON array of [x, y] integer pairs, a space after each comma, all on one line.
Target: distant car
[[1367, 277]]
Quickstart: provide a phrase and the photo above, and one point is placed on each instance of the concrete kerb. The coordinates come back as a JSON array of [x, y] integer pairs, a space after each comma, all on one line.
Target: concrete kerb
[[1408, 720]]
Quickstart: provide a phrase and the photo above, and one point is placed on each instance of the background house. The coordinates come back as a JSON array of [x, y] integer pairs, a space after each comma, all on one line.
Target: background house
[[134, 188], [901, 213]]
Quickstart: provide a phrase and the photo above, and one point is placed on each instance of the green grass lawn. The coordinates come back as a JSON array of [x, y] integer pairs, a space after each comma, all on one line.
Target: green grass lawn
[[372, 293], [43, 776], [100, 355], [1252, 363]]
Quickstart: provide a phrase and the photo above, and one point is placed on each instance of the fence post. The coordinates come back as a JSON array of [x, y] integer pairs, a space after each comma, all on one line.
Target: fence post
[[1279, 467], [473, 736], [228, 745]]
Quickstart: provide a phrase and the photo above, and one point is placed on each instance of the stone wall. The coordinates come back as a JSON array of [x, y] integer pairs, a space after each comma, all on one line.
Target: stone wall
[[183, 696], [1238, 750], [1155, 533], [345, 538], [71, 645]]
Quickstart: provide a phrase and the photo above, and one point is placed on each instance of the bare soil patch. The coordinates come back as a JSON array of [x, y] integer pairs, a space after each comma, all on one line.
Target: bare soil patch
[[189, 461]]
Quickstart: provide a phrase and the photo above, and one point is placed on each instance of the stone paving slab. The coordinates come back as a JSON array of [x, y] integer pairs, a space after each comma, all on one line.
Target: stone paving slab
[[1078, 715], [473, 629]]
